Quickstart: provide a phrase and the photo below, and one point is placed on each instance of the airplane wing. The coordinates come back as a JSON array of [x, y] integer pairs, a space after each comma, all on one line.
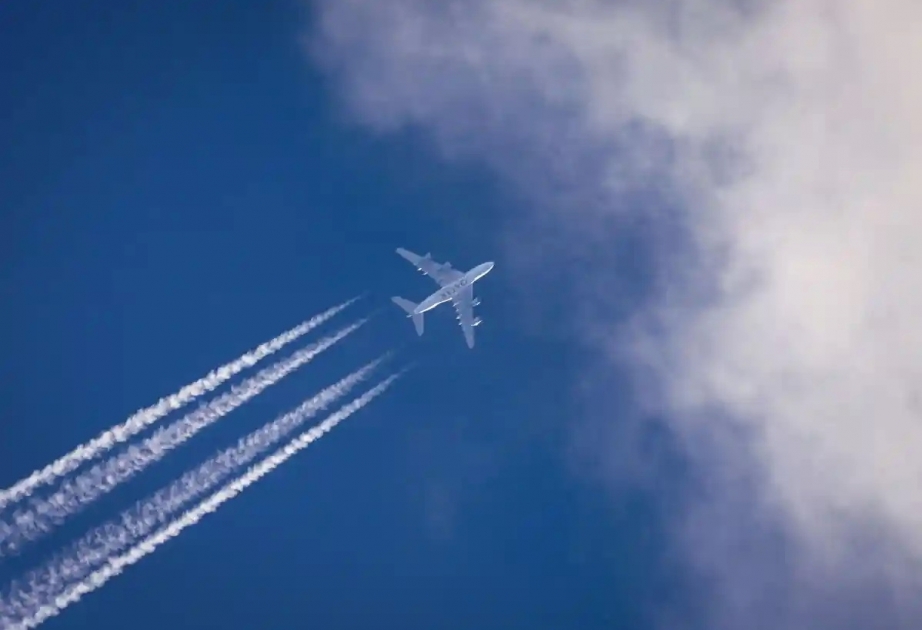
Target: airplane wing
[[442, 273], [464, 305]]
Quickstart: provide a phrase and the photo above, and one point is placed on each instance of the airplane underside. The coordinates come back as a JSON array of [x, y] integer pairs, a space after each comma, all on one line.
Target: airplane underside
[[455, 287]]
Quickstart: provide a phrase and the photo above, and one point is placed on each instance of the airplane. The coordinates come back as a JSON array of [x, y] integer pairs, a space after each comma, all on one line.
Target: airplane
[[455, 286]]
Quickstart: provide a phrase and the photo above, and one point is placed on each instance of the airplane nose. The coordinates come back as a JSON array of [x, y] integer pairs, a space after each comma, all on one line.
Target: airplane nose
[[489, 266]]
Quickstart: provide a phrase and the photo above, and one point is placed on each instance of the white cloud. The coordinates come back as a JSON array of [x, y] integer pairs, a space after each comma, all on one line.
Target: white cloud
[[790, 135]]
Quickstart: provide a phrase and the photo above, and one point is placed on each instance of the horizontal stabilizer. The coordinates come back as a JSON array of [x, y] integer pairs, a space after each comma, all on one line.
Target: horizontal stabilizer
[[410, 307]]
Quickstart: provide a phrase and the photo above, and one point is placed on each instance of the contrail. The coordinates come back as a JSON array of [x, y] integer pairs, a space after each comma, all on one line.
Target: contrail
[[75, 494], [115, 565], [41, 585], [143, 418]]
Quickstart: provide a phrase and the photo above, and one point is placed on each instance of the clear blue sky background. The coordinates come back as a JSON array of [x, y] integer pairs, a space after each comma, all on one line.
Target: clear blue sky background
[[176, 186]]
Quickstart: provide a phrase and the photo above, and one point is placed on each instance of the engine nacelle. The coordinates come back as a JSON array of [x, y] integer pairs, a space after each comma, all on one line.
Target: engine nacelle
[[476, 302], [477, 321]]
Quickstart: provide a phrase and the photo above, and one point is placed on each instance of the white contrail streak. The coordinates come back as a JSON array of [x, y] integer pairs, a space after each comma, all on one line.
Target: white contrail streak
[[28, 593], [143, 418], [115, 565], [74, 494]]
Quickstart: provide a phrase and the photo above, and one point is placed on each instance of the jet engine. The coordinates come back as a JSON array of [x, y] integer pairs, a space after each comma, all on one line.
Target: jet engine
[[477, 321]]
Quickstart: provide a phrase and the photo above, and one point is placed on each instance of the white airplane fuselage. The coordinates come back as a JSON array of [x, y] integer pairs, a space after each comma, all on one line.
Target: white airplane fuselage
[[449, 291]]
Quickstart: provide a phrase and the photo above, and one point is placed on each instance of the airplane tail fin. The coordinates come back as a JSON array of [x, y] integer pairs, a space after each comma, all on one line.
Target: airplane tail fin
[[409, 306]]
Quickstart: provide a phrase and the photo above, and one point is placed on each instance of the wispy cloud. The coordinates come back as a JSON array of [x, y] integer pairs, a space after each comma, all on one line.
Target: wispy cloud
[[783, 338]]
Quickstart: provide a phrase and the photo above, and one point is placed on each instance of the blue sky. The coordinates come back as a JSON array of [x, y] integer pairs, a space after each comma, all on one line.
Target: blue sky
[[180, 183]]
